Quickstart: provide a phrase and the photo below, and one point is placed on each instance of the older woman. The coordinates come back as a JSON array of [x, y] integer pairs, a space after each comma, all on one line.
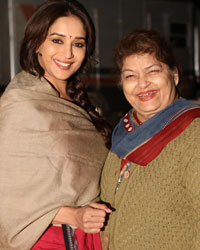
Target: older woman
[[152, 174]]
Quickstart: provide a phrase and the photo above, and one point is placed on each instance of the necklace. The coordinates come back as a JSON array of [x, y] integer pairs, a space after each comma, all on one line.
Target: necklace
[[136, 118]]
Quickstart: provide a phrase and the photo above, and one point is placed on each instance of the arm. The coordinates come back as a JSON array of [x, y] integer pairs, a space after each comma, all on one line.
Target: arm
[[192, 185], [89, 218], [192, 176]]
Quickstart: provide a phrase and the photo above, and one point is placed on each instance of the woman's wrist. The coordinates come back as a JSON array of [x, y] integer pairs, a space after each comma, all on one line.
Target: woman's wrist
[[65, 215]]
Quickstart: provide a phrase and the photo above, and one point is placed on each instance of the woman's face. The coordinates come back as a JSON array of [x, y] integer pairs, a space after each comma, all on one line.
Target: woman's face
[[148, 84], [64, 49]]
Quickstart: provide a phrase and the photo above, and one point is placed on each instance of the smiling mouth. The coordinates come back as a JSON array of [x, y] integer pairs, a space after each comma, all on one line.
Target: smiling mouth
[[147, 94], [62, 64]]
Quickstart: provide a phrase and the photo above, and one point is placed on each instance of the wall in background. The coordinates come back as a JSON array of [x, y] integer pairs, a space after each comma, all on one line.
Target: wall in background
[[112, 19]]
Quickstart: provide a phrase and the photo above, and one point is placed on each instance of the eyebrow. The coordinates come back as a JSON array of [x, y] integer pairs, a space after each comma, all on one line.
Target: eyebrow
[[148, 67], [62, 35], [127, 70], [156, 64]]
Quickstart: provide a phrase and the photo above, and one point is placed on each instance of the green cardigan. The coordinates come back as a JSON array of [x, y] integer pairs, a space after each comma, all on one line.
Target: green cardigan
[[157, 207]]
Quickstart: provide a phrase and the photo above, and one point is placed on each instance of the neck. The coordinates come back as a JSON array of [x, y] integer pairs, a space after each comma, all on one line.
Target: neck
[[61, 88], [136, 118], [142, 118]]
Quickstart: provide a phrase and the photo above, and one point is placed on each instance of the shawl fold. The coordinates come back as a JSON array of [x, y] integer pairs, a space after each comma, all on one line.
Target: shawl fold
[[50, 156], [141, 144]]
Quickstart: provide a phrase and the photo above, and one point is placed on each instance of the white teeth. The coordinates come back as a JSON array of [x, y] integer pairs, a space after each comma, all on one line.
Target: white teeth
[[62, 64], [147, 94]]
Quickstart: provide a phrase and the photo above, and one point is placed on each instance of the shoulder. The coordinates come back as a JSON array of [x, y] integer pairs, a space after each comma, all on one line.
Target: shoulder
[[190, 136], [26, 87], [20, 81], [193, 135], [112, 162], [186, 146], [192, 131], [29, 98]]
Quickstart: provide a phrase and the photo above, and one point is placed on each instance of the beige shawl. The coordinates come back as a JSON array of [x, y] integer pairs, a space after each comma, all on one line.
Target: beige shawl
[[50, 156]]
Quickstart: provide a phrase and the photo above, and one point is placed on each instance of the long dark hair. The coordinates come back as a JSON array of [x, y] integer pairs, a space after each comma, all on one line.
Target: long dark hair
[[35, 33]]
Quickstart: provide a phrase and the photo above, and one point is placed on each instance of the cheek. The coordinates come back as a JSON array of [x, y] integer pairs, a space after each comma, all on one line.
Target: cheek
[[81, 56], [125, 88], [50, 51], [47, 50], [128, 90], [79, 53], [168, 87], [128, 93]]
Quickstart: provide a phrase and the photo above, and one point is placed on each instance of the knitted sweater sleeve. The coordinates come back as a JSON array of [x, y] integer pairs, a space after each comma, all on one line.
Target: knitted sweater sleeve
[[192, 175], [109, 178]]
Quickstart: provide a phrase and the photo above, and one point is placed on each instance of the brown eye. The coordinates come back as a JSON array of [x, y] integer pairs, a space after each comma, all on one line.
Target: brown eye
[[130, 77], [57, 41], [79, 45], [154, 71]]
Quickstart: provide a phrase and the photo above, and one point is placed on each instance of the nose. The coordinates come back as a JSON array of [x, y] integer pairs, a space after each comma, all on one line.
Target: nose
[[68, 51], [143, 82]]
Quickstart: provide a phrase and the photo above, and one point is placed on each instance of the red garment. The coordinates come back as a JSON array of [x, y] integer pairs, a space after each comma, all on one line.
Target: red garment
[[88, 241], [53, 239], [149, 150]]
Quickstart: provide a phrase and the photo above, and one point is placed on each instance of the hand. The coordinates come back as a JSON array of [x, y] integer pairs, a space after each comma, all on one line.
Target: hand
[[91, 218]]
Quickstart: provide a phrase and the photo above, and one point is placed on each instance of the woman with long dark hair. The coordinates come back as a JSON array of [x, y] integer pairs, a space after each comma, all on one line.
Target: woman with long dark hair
[[52, 141]]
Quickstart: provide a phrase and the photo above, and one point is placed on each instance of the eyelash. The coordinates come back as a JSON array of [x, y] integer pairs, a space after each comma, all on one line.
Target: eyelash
[[79, 45], [155, 71], [76, 44], [129, 76], [151, 71], [58, 41]]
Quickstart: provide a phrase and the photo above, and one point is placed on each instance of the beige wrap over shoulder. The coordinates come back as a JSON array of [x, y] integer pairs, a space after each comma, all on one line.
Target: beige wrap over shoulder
[[50, 156]]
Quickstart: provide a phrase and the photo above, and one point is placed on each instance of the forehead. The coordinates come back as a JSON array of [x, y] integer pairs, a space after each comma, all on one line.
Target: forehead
[[68, 25], [140, 61], [140, 57]]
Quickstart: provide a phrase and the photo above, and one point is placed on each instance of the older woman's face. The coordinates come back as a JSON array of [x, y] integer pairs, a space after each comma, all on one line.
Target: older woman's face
[[148, 84]]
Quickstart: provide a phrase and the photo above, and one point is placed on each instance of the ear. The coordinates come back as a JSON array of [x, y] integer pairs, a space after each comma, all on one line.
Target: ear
[[38, 52], [176, 76]]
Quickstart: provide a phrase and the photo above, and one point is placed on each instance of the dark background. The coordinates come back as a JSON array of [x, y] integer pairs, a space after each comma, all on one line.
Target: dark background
[[177, 20]]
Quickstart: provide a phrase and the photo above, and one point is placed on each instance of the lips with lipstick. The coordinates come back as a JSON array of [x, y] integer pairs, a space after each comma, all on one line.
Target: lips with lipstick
[[147, 95], [62, 65]]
